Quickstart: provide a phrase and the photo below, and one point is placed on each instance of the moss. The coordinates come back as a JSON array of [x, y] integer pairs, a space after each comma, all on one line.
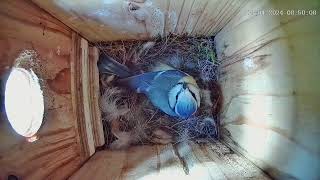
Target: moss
[[140, 120]]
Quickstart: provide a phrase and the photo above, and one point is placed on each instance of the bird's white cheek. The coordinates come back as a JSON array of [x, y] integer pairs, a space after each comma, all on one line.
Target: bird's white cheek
[[172, 95]]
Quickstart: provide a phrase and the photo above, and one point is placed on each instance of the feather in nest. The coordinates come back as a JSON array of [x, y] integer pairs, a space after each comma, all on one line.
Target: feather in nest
[[132, 120]]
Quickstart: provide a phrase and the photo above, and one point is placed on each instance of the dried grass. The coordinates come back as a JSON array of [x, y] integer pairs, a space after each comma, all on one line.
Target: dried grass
[[131, 119], [112, 104], [195, 55]]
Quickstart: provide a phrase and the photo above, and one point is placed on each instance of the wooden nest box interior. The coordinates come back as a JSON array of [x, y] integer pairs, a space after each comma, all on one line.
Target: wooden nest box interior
[[269, 52]]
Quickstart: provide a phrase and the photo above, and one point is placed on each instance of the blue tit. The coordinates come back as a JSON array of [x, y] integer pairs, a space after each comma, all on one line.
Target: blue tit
[[174, 92]]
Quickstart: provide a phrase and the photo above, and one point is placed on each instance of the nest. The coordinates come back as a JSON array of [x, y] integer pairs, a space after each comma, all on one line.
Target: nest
[[130, 119]]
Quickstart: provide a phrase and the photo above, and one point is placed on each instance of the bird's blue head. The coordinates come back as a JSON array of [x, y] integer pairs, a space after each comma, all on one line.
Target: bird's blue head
[[184, 99]]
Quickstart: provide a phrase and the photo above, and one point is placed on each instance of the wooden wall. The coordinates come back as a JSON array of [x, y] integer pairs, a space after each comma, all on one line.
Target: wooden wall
[[179, 161], [268, 78], [60, 149], [99, 20]]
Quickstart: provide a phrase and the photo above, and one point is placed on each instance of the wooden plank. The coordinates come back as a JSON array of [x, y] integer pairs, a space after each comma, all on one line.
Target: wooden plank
[[223, 17], [260, 87], [197, 163], [185, 160], [133, 163], [175, 8], [208, 16], [233, 165], [25, 28], [170, 163], [75, 81], [97, 20], [94, 97], [194, 16], [210, 167], [80, 95], [184, 16], [102, 165], [216, 161], [139, 162], [218, 15], [258, 163], [86, 95]]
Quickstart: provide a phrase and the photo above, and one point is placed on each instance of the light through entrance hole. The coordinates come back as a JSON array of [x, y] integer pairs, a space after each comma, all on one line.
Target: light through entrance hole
[[24, 102]]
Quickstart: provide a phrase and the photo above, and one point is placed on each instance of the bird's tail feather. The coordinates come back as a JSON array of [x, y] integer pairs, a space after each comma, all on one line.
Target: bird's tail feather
[[108, 65]]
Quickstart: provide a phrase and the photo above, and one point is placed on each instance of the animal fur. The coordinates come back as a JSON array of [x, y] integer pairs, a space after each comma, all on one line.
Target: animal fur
[[132, 120]]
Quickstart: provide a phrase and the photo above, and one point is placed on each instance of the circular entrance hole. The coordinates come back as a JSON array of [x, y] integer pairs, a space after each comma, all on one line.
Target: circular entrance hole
[[24, 102]]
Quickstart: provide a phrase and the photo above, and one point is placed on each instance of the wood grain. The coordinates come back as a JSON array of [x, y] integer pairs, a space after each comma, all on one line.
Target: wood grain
[[85, 94], [85, 84], [207, 161], [56, 154], [93, 19], [80, 92], [98, 21], [94, 97], [194, 16], [184, 16], [265, 110]]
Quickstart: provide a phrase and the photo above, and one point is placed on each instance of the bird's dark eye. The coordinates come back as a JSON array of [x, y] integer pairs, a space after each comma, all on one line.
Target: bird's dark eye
[[193, 95], [180, 83]]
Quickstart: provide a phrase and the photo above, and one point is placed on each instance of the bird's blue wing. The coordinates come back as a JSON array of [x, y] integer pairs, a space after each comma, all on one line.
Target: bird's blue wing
[[158, 92], [159, 99], [108, 65], [156, 85], [166, 80], [140, 83]]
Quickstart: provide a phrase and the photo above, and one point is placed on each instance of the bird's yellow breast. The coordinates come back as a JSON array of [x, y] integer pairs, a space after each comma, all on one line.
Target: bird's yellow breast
[[189, 80]]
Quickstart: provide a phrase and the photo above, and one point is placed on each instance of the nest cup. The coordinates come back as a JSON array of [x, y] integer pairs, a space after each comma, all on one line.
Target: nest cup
[[193, 55]]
